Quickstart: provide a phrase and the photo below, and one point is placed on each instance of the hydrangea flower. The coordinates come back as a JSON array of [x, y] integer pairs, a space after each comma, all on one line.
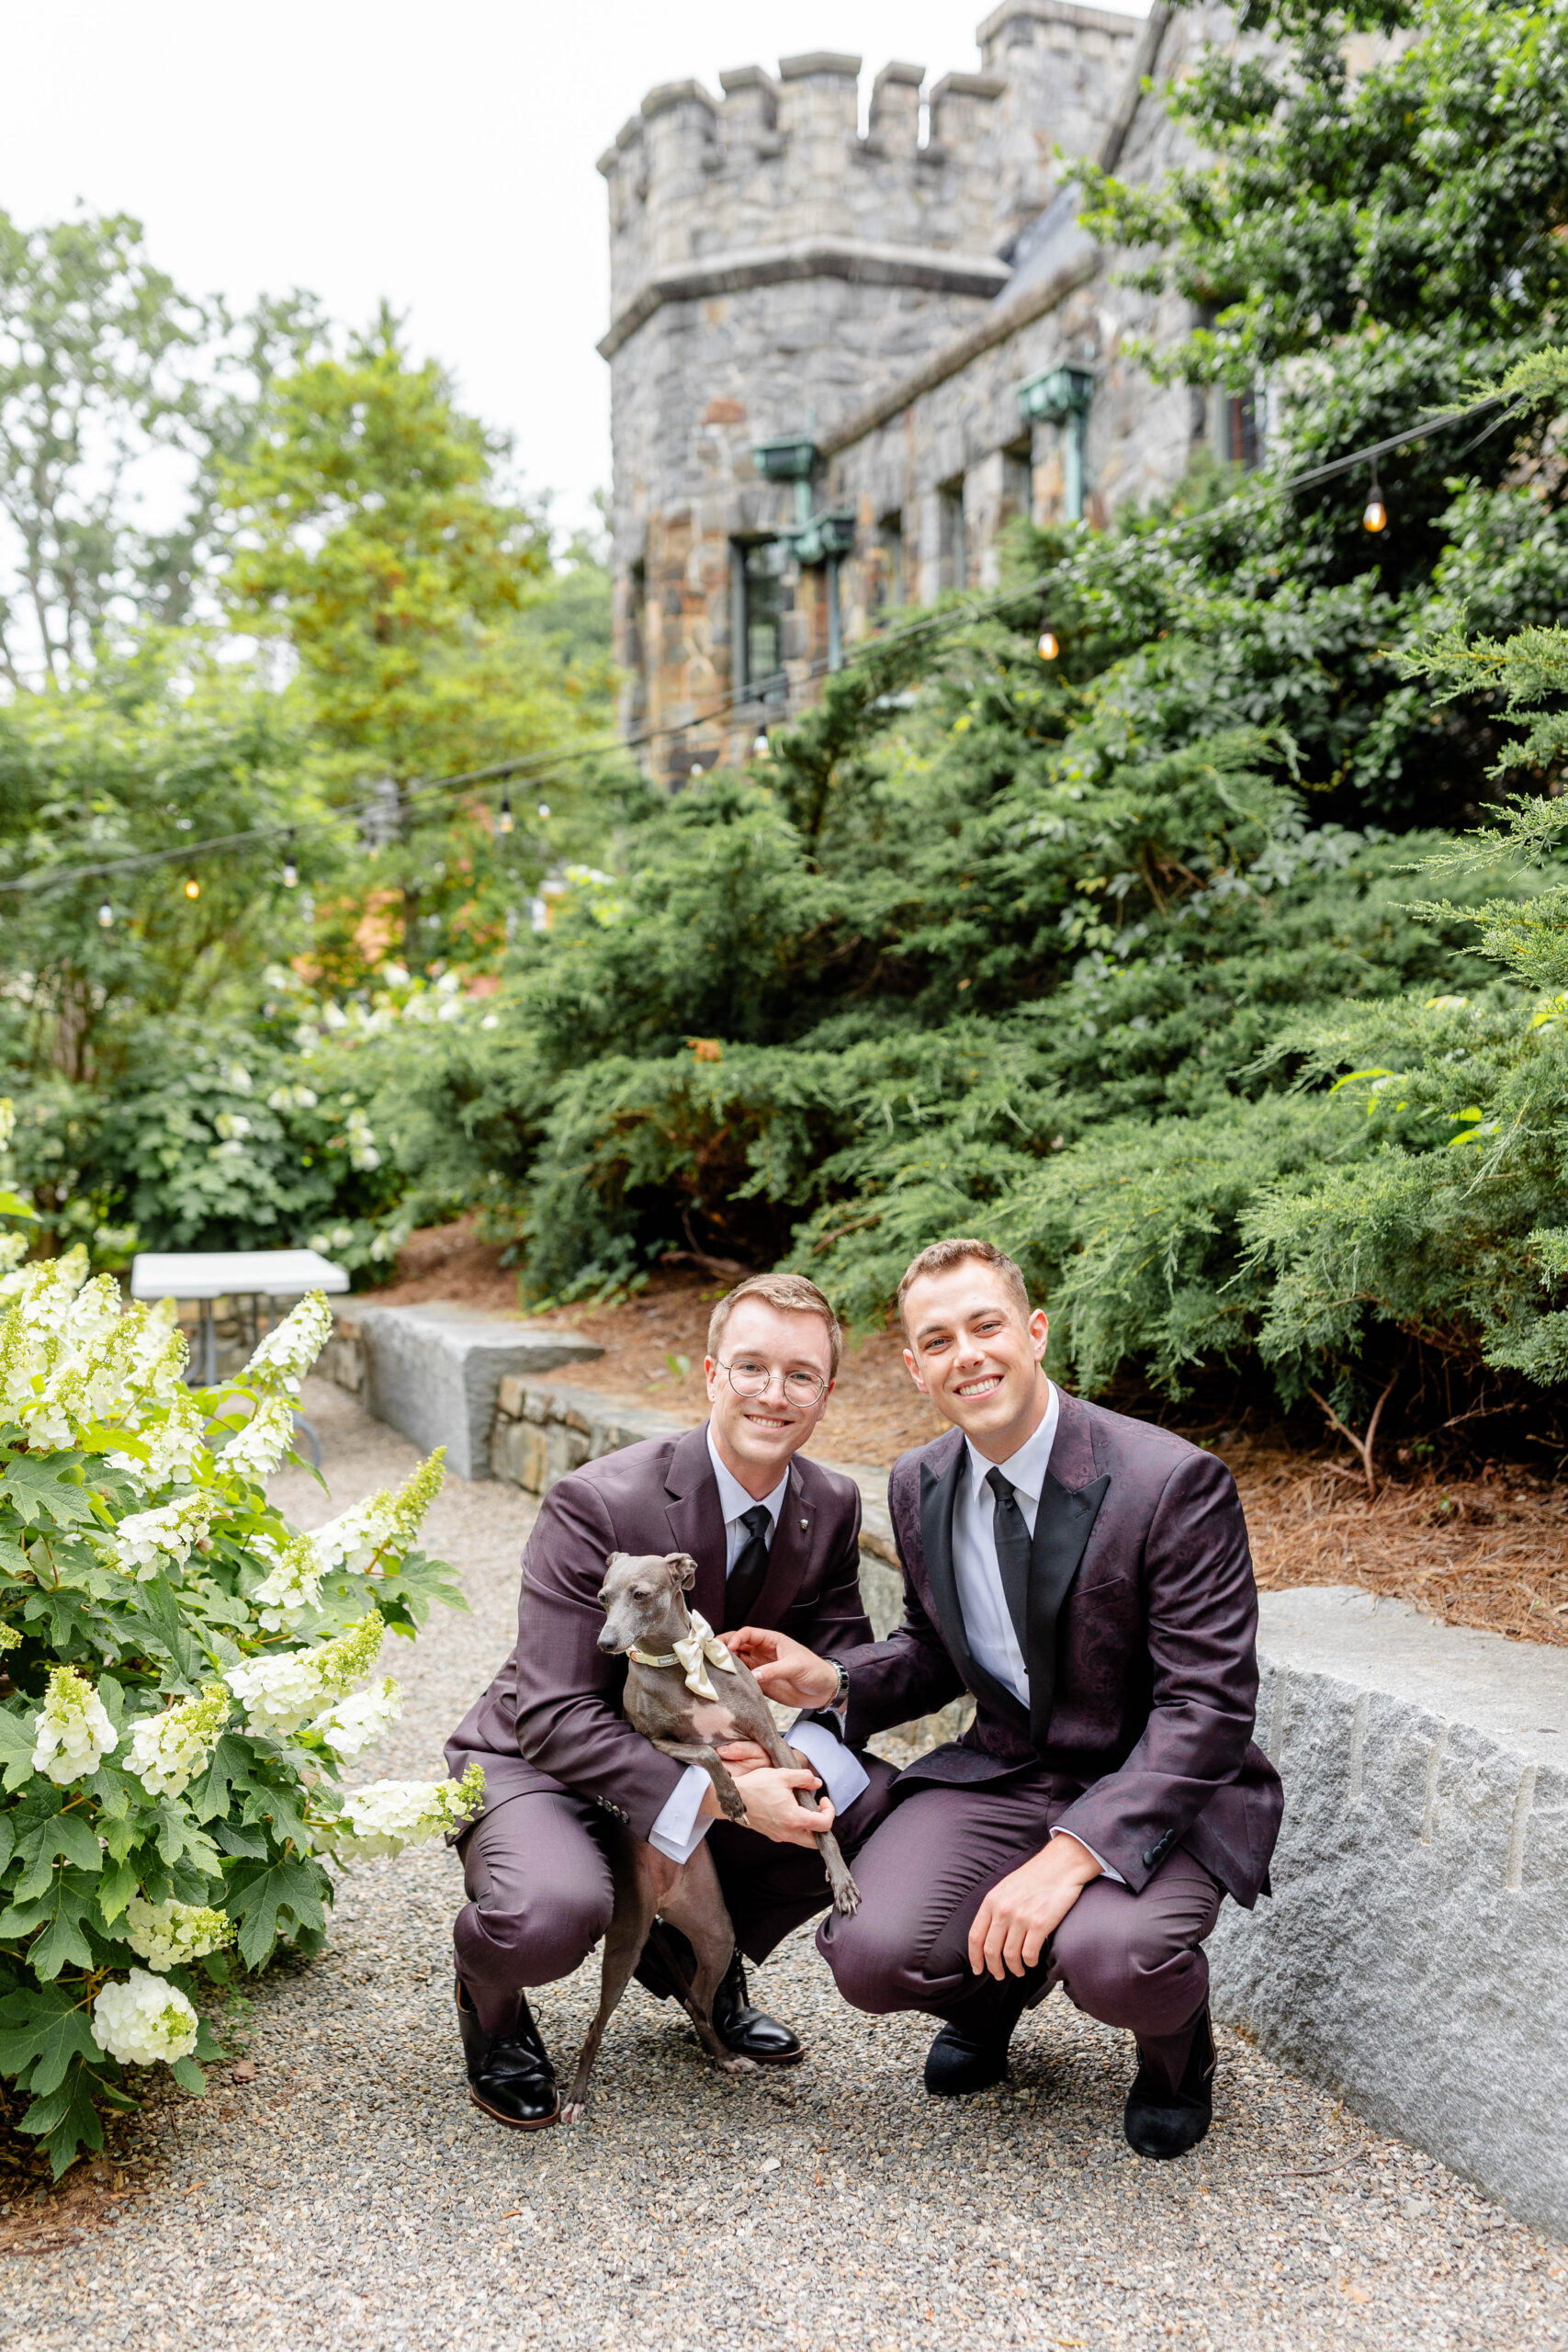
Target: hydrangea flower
[[174, 1442], [74, 1733], [145, 2020], [353, 1724], [168, 1750], [167, 1935], [151, 1543], [281, 1693], [261, 1445], [391, 1814], [287, 1353], [294, 1585], [387, 1520]]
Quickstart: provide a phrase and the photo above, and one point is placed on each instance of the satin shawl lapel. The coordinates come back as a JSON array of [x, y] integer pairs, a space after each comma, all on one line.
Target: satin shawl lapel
[[696, 1520], [939, 1491], [788, 1555], [1063, 1525]]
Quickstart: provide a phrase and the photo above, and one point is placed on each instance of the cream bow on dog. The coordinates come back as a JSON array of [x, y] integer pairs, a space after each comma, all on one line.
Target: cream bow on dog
[[700, 1649]]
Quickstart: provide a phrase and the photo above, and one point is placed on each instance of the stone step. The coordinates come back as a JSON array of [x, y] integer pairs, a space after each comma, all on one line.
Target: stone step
[[434, 1370]]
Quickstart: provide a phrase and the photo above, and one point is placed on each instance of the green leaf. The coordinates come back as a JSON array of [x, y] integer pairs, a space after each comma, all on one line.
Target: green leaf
[[157, 1600], [12, 1204], [189, 2076], [227, 1768], [234, 1837], [42, 2028], [64, 1837], [272, 1902], [117, 1885], [18, 1740], [39, 1486], [68, 2120], [61, 1942]]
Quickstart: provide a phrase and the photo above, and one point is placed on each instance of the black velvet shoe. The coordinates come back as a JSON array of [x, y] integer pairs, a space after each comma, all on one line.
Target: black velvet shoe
[[509, 2074], [973, 2054], [1161, 2123], [666, 1969]]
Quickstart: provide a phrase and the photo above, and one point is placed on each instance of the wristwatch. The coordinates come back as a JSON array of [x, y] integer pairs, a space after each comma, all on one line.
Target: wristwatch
[[842, 1692]]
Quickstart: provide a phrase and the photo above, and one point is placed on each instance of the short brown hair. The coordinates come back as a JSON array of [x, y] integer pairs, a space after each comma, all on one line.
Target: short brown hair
[[937, 1258], [793, 1294]]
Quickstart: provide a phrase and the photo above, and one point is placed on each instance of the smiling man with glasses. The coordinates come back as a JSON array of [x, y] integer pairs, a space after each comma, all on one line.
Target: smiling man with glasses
[[777, 1541]]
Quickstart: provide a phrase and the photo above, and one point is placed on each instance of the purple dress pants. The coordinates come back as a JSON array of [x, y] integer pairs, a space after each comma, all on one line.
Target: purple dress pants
[[1134, 1961], [537, 1869]]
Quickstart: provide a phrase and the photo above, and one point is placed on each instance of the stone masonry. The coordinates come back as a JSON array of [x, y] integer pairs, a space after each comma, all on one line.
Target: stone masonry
[[879, 297]]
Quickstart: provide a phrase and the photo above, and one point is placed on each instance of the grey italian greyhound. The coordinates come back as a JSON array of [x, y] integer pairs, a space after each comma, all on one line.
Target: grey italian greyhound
[[685, 1693]]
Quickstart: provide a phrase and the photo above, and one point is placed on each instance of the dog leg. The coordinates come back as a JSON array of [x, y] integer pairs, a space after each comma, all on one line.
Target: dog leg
[[846, 1894], [641, 1879], [696, 1906], [713, 1764]]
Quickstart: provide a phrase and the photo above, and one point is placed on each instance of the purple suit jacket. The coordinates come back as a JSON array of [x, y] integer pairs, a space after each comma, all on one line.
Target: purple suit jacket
[[1139, 1625], [552, 1717]]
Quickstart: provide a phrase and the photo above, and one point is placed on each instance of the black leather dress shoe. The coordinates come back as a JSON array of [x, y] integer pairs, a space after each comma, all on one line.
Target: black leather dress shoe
[[1162, 2124], [509, 2074], [666, 1969], [973, 2054]]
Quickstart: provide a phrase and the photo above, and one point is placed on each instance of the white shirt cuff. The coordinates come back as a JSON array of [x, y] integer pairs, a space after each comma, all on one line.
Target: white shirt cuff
[[840, 1769], [1105, 1870], [681, 1828]]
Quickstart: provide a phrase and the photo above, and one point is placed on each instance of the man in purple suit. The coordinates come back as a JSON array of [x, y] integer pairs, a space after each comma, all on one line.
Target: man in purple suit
[[776, 1541], [1086, 1578]]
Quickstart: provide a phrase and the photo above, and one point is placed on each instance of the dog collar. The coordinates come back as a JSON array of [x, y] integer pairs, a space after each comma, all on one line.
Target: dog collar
[[699, 1650]]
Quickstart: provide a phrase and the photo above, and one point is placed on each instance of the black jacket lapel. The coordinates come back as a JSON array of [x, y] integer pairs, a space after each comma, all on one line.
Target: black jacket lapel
[[938, 1492], [1063, 1525]]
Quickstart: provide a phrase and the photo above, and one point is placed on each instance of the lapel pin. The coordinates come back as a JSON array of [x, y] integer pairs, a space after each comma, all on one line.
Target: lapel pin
[[804, 1525]]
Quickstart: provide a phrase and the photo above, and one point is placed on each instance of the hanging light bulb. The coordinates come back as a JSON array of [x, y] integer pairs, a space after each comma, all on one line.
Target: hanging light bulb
[[503, 821], [1375, 519], [106, 917], [696, 769], [761, 748], [192, 888], [544, 809], [1047, 648], [290, 871]]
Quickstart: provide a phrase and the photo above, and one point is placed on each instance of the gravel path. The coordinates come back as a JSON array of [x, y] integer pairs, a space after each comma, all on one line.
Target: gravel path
[[349, 2194]]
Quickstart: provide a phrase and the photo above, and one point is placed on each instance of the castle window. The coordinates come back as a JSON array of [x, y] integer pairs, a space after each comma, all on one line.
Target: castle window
[[955, 536], [1018, 483], [757, 574], [889, 578], [636, 637]]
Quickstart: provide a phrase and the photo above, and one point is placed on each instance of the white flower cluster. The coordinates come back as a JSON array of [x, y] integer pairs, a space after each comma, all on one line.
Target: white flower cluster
[[353, 1724], [391, 1814], [73, 1732], [155, 1542], [287, 1353], [168, 1750], [145, 2020], [280, 1693], [294, 1585], [173, 1443], [167, 1935], [72, 1356], [261, 1445], [387, 1520]]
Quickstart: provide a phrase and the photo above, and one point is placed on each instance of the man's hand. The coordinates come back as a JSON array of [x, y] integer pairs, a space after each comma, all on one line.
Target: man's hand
[[1026, 1908], [786, 1670], [771, 1805]]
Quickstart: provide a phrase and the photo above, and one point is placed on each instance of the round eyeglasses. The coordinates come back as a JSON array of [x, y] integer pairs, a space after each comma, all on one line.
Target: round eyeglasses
[[750, 1378]]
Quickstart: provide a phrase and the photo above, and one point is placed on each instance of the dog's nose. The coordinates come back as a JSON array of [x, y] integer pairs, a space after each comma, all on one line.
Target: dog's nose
[[607, 1642]]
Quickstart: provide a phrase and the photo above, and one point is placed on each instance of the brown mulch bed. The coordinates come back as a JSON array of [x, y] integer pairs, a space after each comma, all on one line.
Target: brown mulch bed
[[1482, 1544]]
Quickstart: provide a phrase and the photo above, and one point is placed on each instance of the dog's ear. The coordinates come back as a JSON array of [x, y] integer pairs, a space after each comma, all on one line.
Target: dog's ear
[[616, 1560], [682, 1570]]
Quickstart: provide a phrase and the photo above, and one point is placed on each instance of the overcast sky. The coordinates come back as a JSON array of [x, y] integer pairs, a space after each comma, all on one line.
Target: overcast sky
[[441, 155]]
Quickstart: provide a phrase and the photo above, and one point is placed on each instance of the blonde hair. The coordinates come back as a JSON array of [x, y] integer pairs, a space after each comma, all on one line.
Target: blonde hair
[[941, 1255], [792, 1295]]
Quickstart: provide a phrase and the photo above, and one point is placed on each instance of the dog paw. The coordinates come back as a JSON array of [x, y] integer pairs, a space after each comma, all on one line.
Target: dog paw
[[574, 2110], [846, 1898], [739, 2066]]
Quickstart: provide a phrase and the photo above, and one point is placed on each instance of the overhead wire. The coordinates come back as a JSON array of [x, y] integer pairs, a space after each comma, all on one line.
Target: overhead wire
[[540, 764]]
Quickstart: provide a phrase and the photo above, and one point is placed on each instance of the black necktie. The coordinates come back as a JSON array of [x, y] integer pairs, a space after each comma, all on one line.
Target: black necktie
[[746, 1578], [1009, 1530]]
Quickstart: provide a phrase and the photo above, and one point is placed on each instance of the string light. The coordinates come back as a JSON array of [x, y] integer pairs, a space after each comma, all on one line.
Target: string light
[[1047, 648], [106, 917], [695, 770], [1376, 516], [761, 748], [504, 822], [192, 888], [290, 871], [545, 809]]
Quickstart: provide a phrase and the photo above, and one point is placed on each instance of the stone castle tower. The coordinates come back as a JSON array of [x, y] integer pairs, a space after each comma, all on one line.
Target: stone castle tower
[[815, 341]]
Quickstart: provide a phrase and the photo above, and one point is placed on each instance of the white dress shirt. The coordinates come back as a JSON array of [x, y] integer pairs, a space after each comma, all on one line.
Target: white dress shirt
[[681, 1828], [982, 1602]]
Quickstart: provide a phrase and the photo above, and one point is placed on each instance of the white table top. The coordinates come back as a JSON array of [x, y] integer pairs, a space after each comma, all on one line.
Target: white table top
[[234, 1273]]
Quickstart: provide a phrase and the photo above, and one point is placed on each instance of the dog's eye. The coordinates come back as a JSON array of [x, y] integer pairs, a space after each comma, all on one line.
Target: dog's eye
[[641, 1592]]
